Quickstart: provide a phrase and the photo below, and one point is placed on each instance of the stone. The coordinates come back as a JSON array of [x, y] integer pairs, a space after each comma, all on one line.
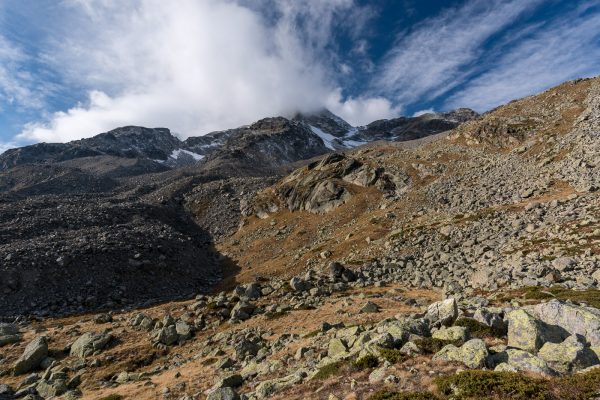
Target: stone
[[528, 333], [183, 329], [521, 360], [336, 348], [300, 285], [378, 375], [473, 353], [232, 380], [572, 318], [9, 333], [491, 319], [224, 393], [6, 392], [569, 356], [369, 307], [51, 389], [564, 264], [166, 335], [442, 312], [33, 355], [89, 343], [453, 333]]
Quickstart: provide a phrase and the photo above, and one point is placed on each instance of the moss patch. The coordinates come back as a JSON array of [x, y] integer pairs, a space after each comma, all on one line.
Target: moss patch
[[113, 397], [329, 370], [589, 296], [432, 346], [385, 395], [392, 355], [497, 385], [367, 362], [577, 386], [476, 328]]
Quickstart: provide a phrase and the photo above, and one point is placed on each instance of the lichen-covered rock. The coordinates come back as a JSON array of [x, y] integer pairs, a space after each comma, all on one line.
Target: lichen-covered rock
[[453, 333], [224, 393], [582, 320], [528, 333], [568, 356], [89, 343], [523, 361], [473, 353], [33, 355], [336, 348], [442, 312]]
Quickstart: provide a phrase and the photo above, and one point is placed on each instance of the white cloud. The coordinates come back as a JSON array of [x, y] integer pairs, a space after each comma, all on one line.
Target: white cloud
[[437, 55], [362, 110], [194, 66], [566, 49], [421, 112]]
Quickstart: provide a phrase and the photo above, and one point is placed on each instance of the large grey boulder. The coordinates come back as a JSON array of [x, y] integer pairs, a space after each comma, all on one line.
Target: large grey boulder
[[571, 355], [442, 312], [166, 335], [582, 320], [528, 333], [90, 343], [33, 355]]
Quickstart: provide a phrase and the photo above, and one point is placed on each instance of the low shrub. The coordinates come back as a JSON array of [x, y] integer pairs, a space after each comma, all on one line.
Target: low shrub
[[489, 384], [367, 362]]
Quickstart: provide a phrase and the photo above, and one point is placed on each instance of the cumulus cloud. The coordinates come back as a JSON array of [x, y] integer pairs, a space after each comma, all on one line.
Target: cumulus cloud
[[195, 66]]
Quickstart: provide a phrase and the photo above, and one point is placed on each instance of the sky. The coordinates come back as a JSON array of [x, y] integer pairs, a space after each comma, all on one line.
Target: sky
[[71, 69]]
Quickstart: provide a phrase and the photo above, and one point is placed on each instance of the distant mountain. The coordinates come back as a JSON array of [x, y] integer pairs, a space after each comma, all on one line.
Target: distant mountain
[[270, 142]]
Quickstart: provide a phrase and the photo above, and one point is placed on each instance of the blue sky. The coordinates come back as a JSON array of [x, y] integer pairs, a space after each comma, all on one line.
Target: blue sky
[[74, 68]]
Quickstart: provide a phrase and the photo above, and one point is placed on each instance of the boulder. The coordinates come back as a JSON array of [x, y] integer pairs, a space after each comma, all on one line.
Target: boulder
[[336, 348], [528, 333], [520, 360], [33, 355], [452, 334], [572, 318], [473, 353], [224, 393], [9, 333], [90, 343], [300, 285], [569, 356], [442, 312], [369, 307], [166, 335]]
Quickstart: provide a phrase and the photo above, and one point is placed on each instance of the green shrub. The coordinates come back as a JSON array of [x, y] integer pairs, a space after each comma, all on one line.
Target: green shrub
[[385, 395], [367, 362], [392, 355], [113, 397], [328, 370], [577, 386], [477, 384], [275, 315], [432, 346], [476, 328]]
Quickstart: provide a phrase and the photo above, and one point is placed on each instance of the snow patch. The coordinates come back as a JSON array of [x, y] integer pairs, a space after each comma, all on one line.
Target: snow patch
[[326, 137], [177, 153]]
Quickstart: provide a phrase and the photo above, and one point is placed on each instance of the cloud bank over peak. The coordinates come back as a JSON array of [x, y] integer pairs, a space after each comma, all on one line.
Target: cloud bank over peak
[[195, 67]]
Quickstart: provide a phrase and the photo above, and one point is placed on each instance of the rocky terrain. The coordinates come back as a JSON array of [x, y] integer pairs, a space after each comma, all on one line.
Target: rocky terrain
[[455, 265], [130, 217]]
